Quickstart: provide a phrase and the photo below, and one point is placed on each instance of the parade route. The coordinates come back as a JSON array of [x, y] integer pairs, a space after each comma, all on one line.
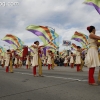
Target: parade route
[[62, 83]]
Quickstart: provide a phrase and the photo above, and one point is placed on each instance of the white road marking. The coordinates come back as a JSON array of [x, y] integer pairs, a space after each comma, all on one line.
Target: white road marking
[[55, 77], [23, 73]]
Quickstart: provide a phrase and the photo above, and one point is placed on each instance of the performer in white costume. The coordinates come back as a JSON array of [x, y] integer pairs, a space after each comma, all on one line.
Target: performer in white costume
[[28, 62], [65, 61], [20, 62], [49, 60], [92, 58], [78, 58], [7, 61], [72, 60], [35, 58]]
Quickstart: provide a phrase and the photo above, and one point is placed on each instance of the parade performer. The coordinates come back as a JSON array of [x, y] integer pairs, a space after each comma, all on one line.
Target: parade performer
[[72, 60], [20, 62], [16, 61], [40, 60], [78, 58], [65, 61], [53, 64], [35, 58], [92, 58], [7, 60], [49, 60], [28, 62]]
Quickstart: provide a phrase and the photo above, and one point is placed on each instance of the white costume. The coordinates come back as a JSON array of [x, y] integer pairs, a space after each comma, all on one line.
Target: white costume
[[7, 59], [49, 60], [35, 57], [27, 60], [78, 58], [92, 58], [65, 60], [71, 59], [2, 60]]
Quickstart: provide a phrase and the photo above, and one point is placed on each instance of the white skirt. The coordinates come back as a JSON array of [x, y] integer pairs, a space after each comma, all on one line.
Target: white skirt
[[71, 60], [66, 61], [49, 61], [7, 62], [92, 58], [78, 60], [35, 60]]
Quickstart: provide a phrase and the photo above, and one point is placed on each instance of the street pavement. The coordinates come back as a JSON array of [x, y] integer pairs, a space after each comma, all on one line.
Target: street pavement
[[62, 83]]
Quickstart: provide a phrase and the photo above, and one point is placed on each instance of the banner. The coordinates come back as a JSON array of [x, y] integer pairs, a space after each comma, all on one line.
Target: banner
[[66, 43]]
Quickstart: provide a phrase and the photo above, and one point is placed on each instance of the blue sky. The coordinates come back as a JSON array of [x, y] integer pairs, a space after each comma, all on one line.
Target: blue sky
[[65, 16]]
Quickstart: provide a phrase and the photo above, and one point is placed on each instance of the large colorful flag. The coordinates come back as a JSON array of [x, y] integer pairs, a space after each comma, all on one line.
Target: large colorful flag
[[94, 3], [46, 34], [80, 37], [50, 32], [13, 40], [80, 41]]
